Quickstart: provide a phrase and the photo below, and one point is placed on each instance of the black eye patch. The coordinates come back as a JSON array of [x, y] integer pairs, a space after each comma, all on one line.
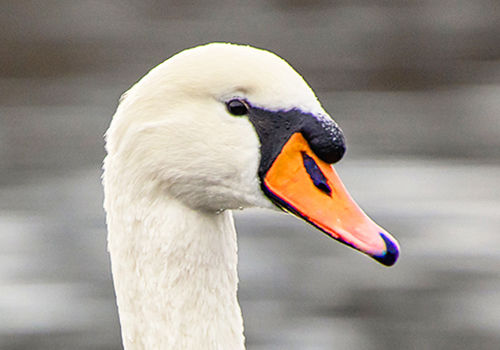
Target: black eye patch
[[315, 174]]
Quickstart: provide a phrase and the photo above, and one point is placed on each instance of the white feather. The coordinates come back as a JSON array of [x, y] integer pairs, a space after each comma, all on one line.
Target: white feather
[[176, 160]]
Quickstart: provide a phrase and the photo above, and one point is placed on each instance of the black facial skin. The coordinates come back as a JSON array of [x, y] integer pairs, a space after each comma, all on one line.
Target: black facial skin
[[325, 139], [275, 128]]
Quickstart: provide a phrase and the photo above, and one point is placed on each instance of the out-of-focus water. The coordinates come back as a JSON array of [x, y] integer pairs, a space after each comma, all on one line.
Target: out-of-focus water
[[415, 86], [299, 289]]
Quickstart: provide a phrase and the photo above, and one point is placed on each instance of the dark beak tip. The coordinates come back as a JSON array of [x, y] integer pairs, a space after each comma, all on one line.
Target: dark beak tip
[[391, 254]]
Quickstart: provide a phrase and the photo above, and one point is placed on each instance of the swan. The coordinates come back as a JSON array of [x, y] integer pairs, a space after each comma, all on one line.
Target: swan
[[214, 128]]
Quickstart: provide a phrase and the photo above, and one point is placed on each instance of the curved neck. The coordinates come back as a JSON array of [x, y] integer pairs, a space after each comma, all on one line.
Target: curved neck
[[175, 276]]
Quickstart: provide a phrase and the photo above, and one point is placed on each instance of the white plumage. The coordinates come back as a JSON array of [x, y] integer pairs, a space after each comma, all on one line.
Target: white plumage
[[176, 161]]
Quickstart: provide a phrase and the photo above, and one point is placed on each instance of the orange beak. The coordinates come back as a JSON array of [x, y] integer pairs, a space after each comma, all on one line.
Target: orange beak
[[301, 183]]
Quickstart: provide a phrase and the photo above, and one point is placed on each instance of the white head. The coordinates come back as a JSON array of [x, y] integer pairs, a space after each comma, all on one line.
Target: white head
[[174, 135], [173, 130]]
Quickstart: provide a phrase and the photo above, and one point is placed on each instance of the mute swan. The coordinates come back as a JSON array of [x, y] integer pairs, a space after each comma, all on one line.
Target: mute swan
[[214, 128]]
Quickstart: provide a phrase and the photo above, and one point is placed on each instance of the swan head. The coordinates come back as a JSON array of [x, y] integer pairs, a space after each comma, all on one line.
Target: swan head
[[225, 126]]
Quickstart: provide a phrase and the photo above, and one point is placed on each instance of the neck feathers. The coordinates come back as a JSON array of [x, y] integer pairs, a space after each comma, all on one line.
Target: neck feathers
[[175, 276]]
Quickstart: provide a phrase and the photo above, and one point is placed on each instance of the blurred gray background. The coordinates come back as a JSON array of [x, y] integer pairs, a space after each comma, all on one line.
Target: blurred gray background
[[414, 84]]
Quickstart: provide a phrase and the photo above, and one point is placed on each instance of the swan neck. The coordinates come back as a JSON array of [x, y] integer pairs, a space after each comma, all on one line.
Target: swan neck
[[175, 276]]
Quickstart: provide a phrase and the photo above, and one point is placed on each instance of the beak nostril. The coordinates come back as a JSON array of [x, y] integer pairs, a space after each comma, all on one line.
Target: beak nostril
[[315, 173]]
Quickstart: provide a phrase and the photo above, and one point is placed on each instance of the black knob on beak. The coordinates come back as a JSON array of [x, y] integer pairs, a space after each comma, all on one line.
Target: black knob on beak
[[325, 138]]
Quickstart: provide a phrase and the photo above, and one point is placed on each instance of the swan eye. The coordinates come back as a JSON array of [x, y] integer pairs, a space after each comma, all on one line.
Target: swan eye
[[237, 107]]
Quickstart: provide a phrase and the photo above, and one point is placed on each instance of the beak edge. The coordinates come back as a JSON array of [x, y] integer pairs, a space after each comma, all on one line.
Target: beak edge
[[300, 188]]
